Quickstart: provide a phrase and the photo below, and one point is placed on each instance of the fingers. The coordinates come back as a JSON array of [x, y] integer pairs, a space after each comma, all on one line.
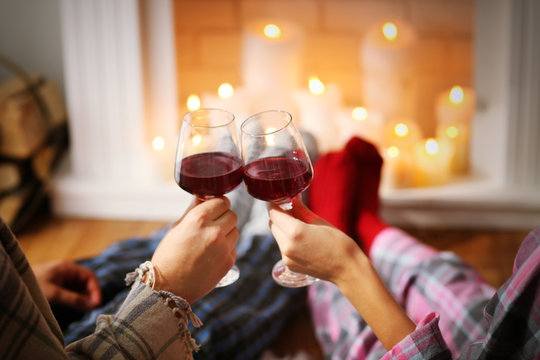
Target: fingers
[[281, 219], [233, 235], [215, 207], [72, 299], [93, 289], [89, 285], [227, 220]]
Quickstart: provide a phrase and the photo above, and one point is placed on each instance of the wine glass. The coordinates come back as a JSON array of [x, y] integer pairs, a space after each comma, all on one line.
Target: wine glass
[[277, 168], [208, 162]]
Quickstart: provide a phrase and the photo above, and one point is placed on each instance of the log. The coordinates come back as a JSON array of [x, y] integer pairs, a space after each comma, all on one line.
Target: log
[[42, 162], [28, 112], [54, 101], [10, 176], [22, 126], [12, 203]]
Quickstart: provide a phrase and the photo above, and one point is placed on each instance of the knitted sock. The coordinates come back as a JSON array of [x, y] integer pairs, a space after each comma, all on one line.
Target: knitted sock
[[367, 222], [331, 194], [345, 188]]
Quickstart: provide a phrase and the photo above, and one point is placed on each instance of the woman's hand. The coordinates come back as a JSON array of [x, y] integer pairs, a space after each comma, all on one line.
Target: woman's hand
[[68, 284], [310, 245], [198, 250]]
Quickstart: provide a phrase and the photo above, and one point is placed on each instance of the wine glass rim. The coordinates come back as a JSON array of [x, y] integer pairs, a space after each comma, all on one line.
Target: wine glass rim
[[288, 122], [188, 114]]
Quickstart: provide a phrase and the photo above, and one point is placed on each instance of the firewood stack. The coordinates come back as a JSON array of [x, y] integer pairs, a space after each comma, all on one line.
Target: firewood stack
[[33, 136]]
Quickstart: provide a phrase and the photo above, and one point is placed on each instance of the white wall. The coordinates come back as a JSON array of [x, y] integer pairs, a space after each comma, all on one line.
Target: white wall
[[30, 35]]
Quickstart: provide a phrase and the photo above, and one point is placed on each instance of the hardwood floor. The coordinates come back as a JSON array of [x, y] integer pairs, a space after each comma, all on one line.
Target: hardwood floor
[[47, 238]]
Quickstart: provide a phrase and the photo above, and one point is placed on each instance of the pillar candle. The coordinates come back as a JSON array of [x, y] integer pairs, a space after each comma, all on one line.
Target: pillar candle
[[317, 108], [361, 122], [432, 162], [397, 171], [236, 101], [386, 57], [271, 64], [455, 108], [456, 104], [458, 134], [401, 132]]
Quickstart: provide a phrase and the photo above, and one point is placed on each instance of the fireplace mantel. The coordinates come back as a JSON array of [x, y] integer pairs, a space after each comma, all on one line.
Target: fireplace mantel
[[118, 80]]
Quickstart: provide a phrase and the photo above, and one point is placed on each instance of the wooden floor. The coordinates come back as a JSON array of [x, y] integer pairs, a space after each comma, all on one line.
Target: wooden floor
[[48, 238]]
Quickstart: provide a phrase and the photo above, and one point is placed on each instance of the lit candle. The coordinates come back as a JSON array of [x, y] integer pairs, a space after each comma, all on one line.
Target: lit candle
[[235, 100], [317, 110], [361, 122], [386, 56], [401, 132], [455, 108], [457, 133], [432, 162], [397, 171], [193, 102], [271, 64], [455, 105]]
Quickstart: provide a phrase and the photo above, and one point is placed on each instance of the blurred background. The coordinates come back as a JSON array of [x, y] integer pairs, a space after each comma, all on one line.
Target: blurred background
[[92, 94], [447, 90]]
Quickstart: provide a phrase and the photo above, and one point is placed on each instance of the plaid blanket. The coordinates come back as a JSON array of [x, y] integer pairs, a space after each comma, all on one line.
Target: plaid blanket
[[240, 320]]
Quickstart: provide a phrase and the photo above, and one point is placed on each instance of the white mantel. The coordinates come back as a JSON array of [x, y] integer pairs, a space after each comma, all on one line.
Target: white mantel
[[118, 80]]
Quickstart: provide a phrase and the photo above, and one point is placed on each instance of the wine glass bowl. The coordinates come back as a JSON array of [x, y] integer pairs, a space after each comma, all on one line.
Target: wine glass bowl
[[208, 161], [277, 163], [276, 169]]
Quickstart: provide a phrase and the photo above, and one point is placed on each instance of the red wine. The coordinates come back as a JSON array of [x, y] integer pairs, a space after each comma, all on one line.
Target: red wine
[[277, 178], [210, 174]]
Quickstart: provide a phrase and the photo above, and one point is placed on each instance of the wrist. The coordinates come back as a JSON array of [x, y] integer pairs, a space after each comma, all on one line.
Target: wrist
[[353, 271]]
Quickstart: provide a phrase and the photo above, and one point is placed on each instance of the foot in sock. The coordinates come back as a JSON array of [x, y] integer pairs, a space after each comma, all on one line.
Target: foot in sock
[[345, 189], [332, 192]]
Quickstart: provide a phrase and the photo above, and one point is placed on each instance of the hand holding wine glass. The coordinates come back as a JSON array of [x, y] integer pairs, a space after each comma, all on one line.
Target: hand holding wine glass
[[277, 168], [208, 162]]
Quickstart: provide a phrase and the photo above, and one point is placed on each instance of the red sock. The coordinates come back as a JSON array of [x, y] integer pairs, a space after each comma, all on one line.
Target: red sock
[[331, 193], [367, 222], [345, 189]]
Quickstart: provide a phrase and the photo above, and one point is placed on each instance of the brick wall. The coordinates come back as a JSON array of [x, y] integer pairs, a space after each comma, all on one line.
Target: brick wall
[[209, 40]]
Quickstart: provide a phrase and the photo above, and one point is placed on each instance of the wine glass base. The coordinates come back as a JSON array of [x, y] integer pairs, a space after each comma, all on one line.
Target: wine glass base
[[232, 275], [287, 278]]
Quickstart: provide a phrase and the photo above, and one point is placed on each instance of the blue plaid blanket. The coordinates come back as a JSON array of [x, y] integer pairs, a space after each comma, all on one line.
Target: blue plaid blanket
[[240, 321]]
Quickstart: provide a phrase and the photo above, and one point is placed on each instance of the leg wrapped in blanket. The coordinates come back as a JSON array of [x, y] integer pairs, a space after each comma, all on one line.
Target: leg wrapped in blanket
[[241, 320]]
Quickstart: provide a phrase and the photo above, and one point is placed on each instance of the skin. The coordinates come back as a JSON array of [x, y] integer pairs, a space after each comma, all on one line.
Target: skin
[[190, 260], [312, 246], [198, 250], [68, 284]]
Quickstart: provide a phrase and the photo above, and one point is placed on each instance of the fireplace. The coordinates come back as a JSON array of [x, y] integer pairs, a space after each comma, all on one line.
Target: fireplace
[[125, 111]]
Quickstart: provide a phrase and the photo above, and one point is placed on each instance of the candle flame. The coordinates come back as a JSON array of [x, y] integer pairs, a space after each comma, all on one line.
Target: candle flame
[[272, 31], [390, 31], [196, 139], [401, 130], [456, 95], [452, 132], [393, 151], [270, 139], [359, 114], [193, 102], [432, 146], [225, 91], [158, 143], [316, 86]]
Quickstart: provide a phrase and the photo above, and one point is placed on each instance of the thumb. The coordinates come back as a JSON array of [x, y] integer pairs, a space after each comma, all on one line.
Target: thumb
[[301, 212]]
